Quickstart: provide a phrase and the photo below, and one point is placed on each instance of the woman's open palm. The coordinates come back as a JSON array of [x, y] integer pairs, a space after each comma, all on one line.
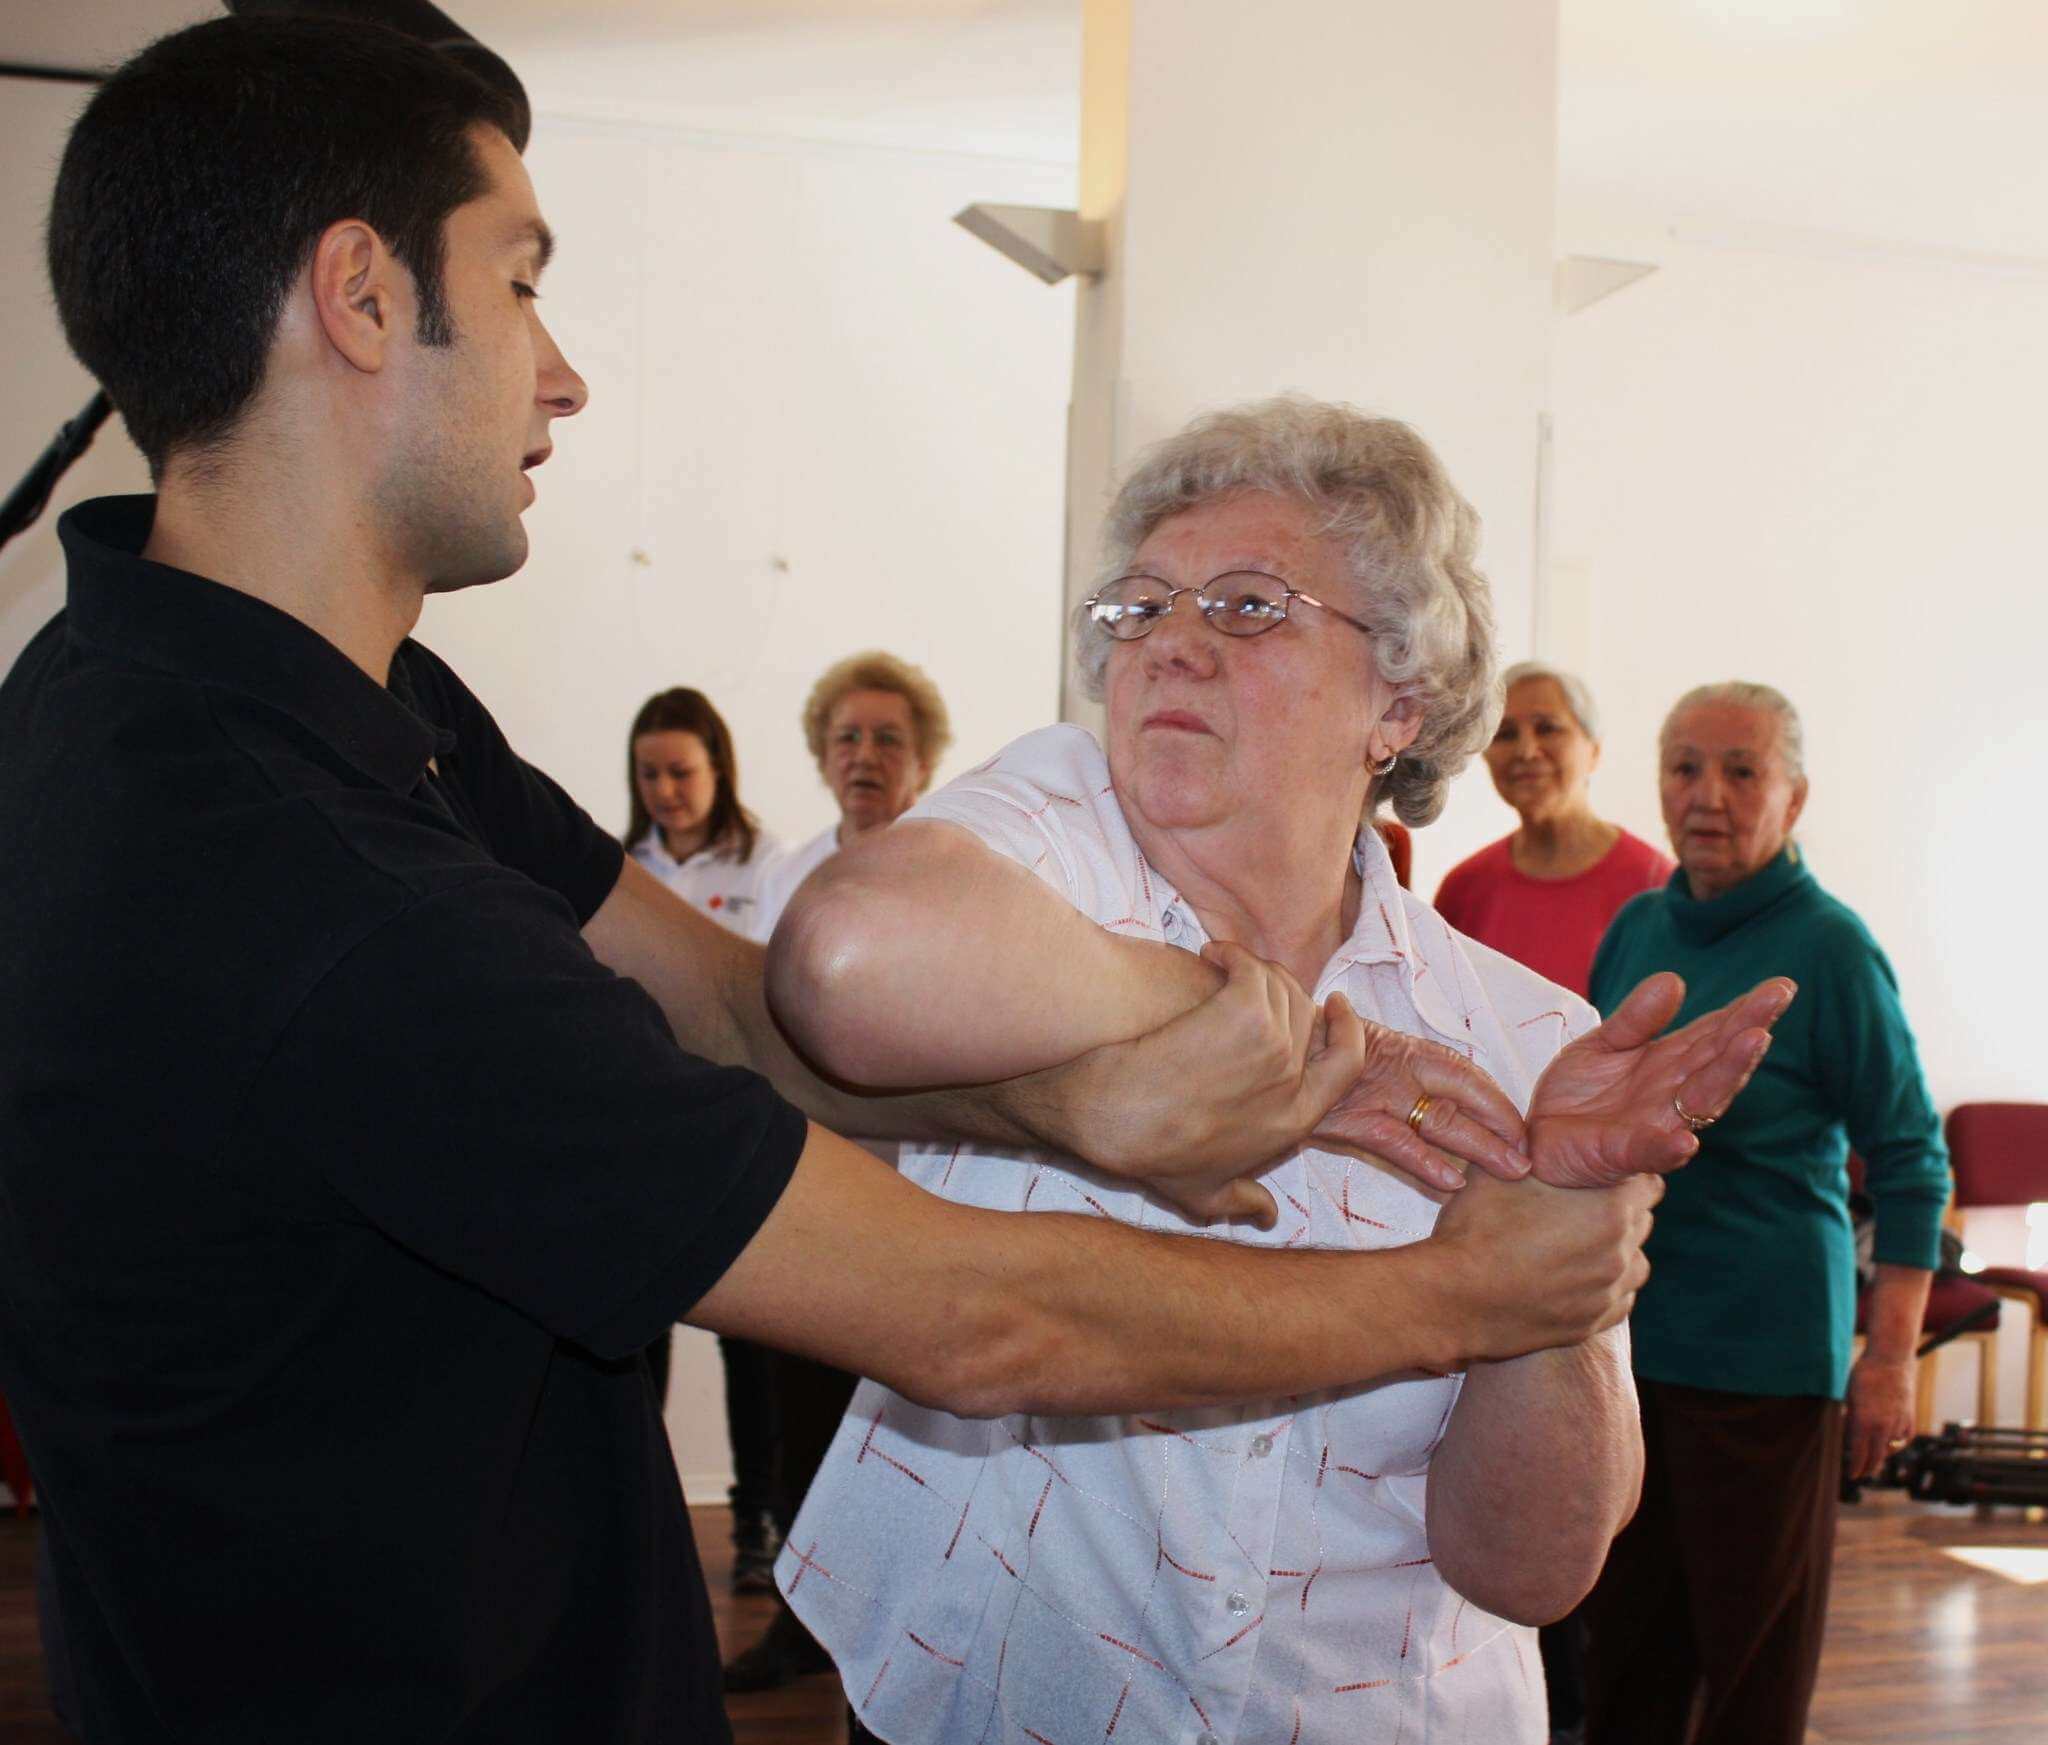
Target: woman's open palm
[[1608, 1106]]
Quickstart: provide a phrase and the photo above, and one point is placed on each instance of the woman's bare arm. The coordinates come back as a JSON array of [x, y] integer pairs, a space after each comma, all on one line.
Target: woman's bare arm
[[1542, 1462]]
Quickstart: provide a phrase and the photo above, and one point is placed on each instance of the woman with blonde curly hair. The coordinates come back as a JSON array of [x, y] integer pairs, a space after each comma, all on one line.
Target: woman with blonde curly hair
[[1290, 634], [877, 727]]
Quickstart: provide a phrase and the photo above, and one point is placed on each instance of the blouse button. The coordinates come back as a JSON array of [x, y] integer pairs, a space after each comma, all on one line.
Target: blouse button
[[1262, 1446], [1238, 1605], [1208, 1739]]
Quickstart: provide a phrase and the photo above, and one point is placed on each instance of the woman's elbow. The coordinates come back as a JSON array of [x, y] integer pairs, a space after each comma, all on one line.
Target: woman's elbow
[[821, 961], [1533, 1595]]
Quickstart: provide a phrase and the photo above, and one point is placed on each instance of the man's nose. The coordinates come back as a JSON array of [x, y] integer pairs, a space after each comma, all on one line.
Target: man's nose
[[560, 389]]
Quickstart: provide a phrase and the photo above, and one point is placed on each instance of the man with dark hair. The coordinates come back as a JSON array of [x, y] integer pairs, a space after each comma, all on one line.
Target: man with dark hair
[[188, 200], [348, 1157]]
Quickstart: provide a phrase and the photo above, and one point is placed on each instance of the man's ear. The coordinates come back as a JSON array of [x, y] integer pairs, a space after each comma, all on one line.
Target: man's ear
[[360, 294], [1396, 728], [1798, 803]]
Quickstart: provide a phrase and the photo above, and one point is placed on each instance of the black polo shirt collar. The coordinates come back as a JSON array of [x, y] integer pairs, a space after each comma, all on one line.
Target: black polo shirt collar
[[157, 616]]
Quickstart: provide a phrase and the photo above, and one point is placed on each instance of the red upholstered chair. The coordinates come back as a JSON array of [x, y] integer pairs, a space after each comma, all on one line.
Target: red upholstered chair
[[2000, 1155], [1949, 1302]]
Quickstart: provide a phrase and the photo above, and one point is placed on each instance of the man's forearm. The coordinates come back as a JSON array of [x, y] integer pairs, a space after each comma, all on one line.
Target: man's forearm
[[1540, 1467], [984, 1313], [709, 985]]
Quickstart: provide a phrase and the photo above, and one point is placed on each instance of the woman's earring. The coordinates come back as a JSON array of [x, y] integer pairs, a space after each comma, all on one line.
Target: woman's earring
[[1382, 770]]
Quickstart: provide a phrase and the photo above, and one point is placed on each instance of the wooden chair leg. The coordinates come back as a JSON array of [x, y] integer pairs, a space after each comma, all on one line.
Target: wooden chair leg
[[2037, 1376], [1987, 1377], [1923, 1393]]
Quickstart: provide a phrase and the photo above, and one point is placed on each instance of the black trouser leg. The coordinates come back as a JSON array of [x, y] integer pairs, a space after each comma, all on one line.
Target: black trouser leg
[[753, 1419], [1562, 1646]]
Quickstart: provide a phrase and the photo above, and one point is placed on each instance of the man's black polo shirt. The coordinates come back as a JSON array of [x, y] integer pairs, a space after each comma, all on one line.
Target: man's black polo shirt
[[339, 1187]]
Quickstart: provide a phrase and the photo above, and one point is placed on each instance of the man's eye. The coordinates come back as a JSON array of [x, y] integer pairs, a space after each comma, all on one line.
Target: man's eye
[[525, 291]]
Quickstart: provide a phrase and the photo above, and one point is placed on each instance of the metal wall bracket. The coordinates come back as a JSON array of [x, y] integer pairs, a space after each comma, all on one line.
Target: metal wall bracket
[[1047, 242]]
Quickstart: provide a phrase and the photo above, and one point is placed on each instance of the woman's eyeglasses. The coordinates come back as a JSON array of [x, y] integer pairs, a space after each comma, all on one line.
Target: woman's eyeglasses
[[1239, 603]]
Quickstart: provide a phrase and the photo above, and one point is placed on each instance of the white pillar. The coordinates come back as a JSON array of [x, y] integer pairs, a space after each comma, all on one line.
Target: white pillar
[[1354, 198]]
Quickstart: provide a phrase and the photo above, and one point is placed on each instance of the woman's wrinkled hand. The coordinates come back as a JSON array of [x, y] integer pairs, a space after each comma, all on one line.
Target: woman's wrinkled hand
[[1466, 1118], [1880, 1412], [1608, 1106]]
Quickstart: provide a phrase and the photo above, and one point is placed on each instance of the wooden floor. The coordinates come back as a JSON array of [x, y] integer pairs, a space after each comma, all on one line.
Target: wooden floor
[[1922, 1649]]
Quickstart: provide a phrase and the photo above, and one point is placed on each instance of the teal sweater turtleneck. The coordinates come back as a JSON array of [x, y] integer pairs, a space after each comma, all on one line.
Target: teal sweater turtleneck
[[1752, 1268]]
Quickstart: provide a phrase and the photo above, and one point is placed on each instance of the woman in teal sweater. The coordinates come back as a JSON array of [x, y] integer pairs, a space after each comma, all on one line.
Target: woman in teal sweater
[[1715, 1594]]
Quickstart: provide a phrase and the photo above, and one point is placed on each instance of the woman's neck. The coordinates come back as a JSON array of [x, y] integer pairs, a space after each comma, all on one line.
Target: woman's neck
[[681, 844], [1561, 845], [1290, 896]]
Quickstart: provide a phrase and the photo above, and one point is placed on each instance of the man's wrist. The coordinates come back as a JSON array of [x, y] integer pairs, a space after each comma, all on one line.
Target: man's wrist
[[1438, 1304]]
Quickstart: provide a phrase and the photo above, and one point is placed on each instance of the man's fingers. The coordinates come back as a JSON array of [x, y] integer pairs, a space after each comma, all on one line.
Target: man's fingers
[[1651, 1005], [1251, 977], [1333, 1069], [1238, 1202]]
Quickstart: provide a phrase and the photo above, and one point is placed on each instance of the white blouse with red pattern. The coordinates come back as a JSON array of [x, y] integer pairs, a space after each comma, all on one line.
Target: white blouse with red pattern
[[1258, 1573]]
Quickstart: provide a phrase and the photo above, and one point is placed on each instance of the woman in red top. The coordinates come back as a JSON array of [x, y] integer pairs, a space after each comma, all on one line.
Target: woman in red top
[[1545, 894]]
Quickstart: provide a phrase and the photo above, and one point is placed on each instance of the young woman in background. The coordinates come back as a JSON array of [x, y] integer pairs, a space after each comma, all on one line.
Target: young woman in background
[[689, 829]]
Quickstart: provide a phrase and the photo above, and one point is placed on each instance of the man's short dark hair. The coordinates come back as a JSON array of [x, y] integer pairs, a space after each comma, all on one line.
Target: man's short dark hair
[[200, 176]]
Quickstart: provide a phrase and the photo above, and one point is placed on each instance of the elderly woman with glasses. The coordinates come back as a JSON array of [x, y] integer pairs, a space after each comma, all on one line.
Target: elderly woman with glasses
[[1293, 633]]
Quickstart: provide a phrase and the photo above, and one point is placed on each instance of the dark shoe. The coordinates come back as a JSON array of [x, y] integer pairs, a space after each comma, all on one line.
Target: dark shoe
[[755, 1541], [786, 1653], [753, 1572]]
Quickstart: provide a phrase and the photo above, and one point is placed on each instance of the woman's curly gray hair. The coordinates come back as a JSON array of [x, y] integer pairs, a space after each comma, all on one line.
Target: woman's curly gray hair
[[1409, 539]]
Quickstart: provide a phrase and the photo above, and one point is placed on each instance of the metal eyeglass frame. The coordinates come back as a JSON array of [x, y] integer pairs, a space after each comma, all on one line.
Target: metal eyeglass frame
[[1212, 608]]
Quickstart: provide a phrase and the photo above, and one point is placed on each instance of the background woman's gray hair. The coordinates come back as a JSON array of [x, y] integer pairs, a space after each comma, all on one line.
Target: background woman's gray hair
[[1577, 698], [1409, 538], [1748, 694]]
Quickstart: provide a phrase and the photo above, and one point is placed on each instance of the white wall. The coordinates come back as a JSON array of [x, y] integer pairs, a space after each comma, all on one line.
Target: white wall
[[44, 385], [824, 416], [827, 419], [1322, 249], [1784, 459]]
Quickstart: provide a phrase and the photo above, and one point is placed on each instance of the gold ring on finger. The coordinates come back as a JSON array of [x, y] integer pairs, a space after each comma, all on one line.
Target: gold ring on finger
[[1698, 1123], [1415, 1115]]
